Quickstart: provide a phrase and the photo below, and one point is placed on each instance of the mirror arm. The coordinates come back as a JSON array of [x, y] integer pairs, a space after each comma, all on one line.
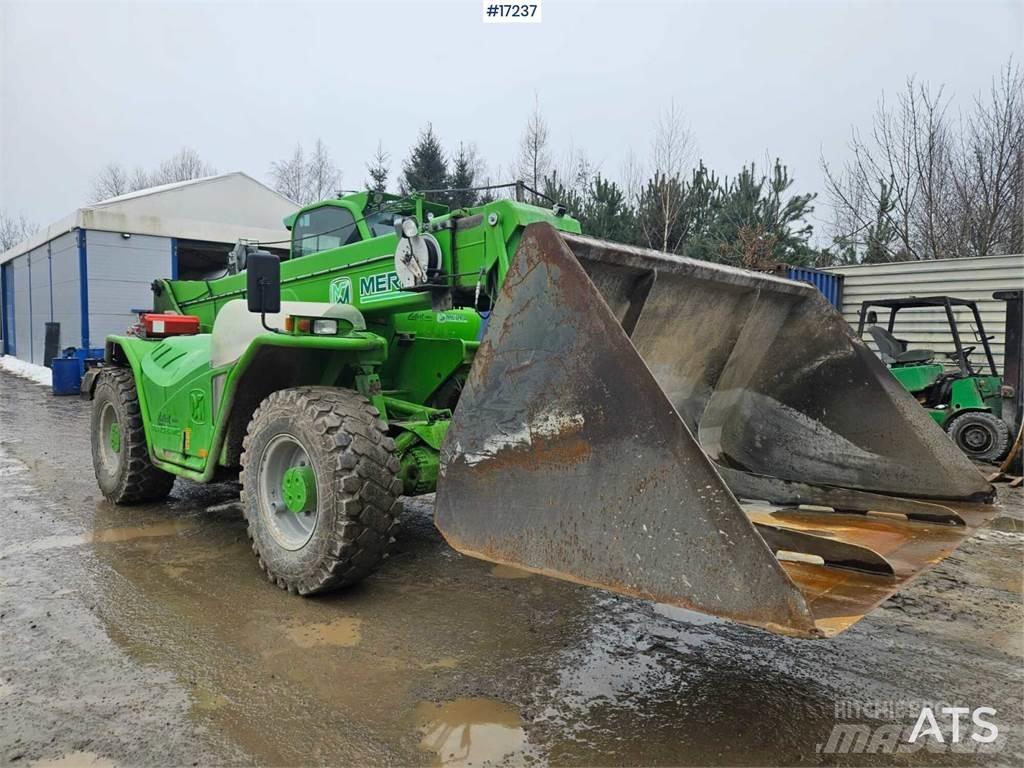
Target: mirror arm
[[263, 314]]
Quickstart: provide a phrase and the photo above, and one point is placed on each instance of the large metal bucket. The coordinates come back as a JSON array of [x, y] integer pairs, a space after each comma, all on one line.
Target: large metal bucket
[[623, 399]]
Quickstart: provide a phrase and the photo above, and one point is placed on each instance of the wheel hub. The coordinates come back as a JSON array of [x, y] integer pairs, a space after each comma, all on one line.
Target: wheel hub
[[977, 438], [287, 488], [115, 437], [299, 489]]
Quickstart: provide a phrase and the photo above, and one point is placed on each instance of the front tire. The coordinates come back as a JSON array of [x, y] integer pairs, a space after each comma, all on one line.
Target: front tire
[[982, 436], [320, 488], [120, 457]]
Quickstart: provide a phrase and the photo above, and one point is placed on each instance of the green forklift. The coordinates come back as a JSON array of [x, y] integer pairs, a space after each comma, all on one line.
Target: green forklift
[[964, 399]]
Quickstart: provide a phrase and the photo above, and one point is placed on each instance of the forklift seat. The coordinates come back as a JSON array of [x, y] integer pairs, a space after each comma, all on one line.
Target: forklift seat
[[893, 350]]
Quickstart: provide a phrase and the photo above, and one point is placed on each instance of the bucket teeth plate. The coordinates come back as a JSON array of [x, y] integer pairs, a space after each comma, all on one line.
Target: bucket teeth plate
[[613, 388]]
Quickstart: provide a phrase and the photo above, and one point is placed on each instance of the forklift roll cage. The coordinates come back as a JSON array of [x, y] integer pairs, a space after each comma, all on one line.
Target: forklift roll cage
[[947, 303]]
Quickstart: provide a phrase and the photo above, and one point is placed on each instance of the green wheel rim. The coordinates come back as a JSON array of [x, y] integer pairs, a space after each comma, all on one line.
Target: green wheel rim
[[299, 489], [115, 437]]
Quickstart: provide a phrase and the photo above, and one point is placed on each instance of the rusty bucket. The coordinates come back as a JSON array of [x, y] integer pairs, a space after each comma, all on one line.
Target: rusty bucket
[[624, 401]]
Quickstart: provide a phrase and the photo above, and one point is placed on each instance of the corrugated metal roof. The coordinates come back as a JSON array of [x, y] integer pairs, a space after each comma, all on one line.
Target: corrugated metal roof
[[218, 209], [975, 278]]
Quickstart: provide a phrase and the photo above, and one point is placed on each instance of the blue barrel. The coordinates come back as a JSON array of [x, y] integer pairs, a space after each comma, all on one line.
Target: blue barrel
[[67, 375]]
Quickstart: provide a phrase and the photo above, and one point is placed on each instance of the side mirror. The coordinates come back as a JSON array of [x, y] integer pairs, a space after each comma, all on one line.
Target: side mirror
[[263, 282]]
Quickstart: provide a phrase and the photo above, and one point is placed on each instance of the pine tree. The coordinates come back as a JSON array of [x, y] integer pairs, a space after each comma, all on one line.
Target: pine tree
[[758, 225], [379, 168], [701, 209], [564, 194], [605, 212], [465, 168], [425, 168], [661, 225]]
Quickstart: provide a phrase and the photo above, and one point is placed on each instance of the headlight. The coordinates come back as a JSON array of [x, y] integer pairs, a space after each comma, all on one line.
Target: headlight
[[325, 327]]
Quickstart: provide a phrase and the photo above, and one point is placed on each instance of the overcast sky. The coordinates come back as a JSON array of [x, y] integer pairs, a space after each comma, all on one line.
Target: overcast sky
[[85, 83]]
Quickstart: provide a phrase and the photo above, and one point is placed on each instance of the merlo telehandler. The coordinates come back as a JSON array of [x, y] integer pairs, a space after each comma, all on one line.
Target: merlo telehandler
[[584, 409]]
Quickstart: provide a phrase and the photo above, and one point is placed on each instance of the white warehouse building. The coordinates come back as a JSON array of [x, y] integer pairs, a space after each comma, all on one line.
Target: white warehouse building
[[89, 271]]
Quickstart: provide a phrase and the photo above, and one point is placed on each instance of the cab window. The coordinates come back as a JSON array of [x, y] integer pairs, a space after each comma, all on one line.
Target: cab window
[[323, 228]]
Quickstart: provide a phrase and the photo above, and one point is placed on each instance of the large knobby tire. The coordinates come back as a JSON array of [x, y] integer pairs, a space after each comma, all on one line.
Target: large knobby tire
[[982, 436], [320, 488], [120, 458]]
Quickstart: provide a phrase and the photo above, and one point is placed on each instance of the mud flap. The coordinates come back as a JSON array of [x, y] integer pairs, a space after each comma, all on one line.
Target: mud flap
[[609, 383]]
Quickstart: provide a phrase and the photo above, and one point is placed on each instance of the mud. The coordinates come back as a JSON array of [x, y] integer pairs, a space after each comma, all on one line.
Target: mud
[[146, 636]]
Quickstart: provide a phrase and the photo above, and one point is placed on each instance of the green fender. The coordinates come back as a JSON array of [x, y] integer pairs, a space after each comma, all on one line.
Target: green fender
[[360, 347]]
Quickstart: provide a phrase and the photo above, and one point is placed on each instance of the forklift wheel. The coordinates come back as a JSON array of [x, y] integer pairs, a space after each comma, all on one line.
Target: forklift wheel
[[982, 436], [319, 488]]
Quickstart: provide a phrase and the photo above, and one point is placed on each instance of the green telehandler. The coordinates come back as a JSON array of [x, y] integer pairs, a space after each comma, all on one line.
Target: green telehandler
[[965, 401], [586, 410]]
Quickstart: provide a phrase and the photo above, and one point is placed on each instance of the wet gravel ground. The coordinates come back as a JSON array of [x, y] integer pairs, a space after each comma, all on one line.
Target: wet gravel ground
[[146, 636]]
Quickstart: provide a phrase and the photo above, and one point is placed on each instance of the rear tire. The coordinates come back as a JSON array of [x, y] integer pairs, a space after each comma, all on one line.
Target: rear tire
[[120, 457], [982, 436], [335, 529]]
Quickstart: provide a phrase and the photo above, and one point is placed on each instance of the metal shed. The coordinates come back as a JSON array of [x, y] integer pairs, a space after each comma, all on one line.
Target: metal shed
[[975, 278], [89, 270]]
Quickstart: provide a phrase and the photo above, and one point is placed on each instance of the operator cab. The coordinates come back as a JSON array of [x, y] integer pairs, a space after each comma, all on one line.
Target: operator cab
[[896, 352], [348, 219]]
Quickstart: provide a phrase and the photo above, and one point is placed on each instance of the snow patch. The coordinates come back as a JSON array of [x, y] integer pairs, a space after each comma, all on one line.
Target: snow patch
[[36, 373]]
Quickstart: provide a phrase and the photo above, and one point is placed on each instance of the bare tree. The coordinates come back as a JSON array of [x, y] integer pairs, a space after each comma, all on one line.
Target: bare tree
[[185, 165], [577, 169], [322, 175], [632, 174], [671, 154], [534, 163], [988, 169], [379, 168], [939, 188], [140, 179], [289, 176], [14, 229], [306, 180], [111, 181]]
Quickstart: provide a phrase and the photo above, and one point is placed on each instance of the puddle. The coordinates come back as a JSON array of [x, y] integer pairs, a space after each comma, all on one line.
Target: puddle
[[470, 731], [509, 572], [100, 536], [74, 760], [344, 633], [1007, 524]]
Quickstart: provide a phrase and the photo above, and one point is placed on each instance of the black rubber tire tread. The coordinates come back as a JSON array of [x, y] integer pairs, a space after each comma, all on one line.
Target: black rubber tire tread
[[138, 480], [360, 508], [996, 426]]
